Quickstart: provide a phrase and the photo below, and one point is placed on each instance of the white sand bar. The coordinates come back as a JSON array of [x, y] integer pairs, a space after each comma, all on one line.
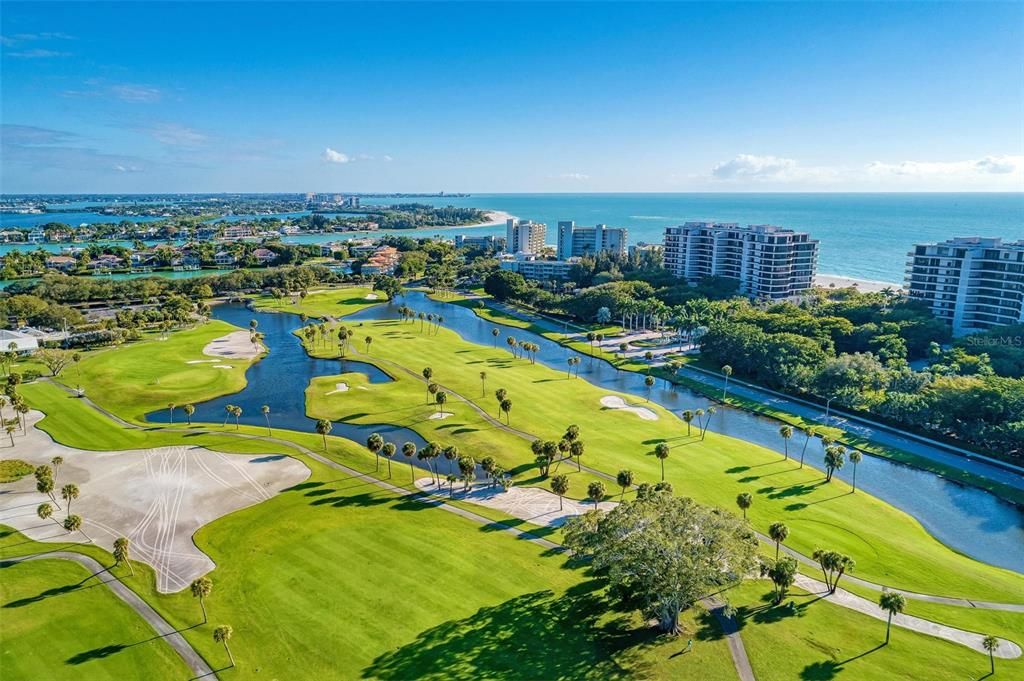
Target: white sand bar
[[372, 296], [158, 498], [235, 344], [532, 504], [616, 402], [438, 415], [862, 285]]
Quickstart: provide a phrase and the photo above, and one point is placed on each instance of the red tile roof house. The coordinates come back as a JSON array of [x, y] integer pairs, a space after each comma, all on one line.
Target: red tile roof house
[[64, 263], [264, 256]]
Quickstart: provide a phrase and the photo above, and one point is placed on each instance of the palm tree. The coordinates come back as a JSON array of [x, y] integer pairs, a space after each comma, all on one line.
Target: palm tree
[[201, 588], [990, 643], [560, 486], [45, 511], [228, 409], [441, 397], [855, 458], [408, 449], [893, 603], [266, 416], [500, 394], [727, 372], [451, 453], [661, 451], [44, 485], [432, 389], [494, 336], [375, 443], [835, 457], [450, 479], [810, 432], [73, 523], [786, 432], [744, 500], [483, 383], [236, 411], [368, 340], [649, 382], [595, 492], [323, 426], [427, 373], [189, 409], [388, 451], [222, 634], [624, 480], [56, 462], [170, 407], [121, 545], [69, 493], [688, 417], [9, 429], [778, 532], [576, 450], [506, 407], [711, 411]]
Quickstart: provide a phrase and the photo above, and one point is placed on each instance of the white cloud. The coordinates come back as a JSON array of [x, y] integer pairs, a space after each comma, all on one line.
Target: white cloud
[[176, 135], [386, 157], [332, 156], [579, 177], [136, 93], [989, 165], [38, 53], [126, 169], [751, 166]]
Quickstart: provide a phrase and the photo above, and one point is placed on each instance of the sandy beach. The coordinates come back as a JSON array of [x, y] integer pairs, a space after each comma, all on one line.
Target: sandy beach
[[862, 285]]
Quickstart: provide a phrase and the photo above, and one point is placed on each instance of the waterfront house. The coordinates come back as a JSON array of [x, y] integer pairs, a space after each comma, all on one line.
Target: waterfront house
[[11, 236], [224, 259], [264, 256], [37, 236], [106, 262], [383, 261], [61, 263]]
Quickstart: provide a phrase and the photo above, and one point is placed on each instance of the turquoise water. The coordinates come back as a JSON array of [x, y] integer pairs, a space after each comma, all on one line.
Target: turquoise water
[[866, 236]]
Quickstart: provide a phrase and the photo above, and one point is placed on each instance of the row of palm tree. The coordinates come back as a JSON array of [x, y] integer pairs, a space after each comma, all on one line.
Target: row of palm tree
[[430, 321]]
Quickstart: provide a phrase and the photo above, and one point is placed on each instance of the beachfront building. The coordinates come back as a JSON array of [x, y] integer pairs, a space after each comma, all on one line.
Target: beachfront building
[[769, 262], [483, 243], [972, 283], [538, 269], [524, 236], [575, 242], [17, 341]]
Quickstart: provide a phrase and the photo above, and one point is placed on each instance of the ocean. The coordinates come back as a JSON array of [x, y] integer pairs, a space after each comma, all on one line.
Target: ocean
[[865, 236]]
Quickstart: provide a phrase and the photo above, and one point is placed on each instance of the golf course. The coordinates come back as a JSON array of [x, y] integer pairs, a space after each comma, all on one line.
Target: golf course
[[334, 564]]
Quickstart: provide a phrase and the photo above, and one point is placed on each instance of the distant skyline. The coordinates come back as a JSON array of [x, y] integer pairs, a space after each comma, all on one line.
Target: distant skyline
[[544, 97]]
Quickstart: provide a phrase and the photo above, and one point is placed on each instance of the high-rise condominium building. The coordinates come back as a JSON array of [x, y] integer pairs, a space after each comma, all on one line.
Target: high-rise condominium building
[[768, 261], [575, 242], [524, 236], [973, 283]]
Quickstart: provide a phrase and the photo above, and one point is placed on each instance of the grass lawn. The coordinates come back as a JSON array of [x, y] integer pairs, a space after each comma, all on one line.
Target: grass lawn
[[821, 641], [147, 375], [58, 623], [336, 578], [14, 469], [336, 302], [890, 546]]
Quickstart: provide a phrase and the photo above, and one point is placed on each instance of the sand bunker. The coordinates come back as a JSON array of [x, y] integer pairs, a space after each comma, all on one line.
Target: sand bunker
[[372, 296], [235, 344], [616, 402], [223, 366], [363, 387], [338, 388], [532, 504], [158, 498], [200, 361], [437, 415]]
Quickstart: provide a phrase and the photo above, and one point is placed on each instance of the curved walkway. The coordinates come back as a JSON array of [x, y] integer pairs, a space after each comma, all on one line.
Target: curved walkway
[[161, 626]]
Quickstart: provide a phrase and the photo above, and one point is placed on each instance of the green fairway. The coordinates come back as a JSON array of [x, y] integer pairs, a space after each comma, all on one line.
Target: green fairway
[[327, 303], [821, 641], [58, 622]]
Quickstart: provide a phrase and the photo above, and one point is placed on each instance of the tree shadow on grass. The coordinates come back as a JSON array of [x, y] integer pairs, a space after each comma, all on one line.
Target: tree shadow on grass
[[538, 635], [829, 669], [96, 653]]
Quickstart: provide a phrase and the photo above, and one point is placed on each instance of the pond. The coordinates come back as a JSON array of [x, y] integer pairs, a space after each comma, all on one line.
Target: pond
[[968, 519]]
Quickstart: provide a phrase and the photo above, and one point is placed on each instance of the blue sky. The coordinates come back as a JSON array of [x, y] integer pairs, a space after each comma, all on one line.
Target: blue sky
[[146, 97]]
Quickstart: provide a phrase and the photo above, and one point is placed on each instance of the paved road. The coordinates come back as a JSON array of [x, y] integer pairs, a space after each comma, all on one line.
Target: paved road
[[161, 626]]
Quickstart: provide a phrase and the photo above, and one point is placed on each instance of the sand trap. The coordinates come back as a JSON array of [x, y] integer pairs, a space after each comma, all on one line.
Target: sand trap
[[363, 387], [616, 402], [200, 361], [235, 344], [532, 504], [223, 366], [158, 498], [338, 388], [437, 415], [372, 296]]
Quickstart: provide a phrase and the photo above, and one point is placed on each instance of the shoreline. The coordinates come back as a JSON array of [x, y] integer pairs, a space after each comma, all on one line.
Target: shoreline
[[862, 285]]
